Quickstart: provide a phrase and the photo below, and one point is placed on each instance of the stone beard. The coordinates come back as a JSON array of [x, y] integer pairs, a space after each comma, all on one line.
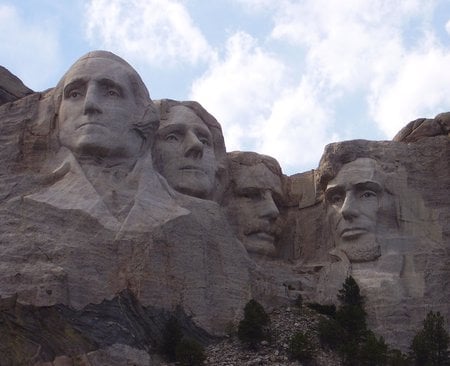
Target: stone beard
[[355, 199]]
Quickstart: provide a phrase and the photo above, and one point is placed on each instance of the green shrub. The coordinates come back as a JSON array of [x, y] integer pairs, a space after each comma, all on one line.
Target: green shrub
[[300, 347], [251, 329], [189, 353]]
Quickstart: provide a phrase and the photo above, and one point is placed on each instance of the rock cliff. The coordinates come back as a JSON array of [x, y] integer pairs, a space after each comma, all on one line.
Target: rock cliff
[[108, 231]]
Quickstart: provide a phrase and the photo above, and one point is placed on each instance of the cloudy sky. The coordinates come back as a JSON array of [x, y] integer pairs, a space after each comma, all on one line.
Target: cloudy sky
[[283, 77]]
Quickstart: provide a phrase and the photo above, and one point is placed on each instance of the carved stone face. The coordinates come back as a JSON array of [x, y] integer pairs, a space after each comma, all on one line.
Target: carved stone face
[[98, 109], [354, 199], [184, 153], [252, 209]]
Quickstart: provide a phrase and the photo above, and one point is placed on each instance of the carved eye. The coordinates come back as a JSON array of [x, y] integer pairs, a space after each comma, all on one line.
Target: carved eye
[[368, 194], [205, 141], [171, 137], [335, 199], [74, 94], [253, 195], [113, 93]]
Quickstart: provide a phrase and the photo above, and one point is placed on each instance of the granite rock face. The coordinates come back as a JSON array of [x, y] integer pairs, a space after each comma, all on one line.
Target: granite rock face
[[118, 213], [384, 209], [11, 87]]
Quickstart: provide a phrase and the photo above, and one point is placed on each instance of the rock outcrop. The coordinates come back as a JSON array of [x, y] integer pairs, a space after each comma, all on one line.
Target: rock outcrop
[[11, 87], [111, 222]]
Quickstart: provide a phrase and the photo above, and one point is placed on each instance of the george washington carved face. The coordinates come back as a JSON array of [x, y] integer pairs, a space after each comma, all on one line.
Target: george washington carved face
[[99, 108]]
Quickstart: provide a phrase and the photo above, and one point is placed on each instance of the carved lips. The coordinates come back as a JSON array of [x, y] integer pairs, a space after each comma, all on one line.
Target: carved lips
[[91, 124], [352, 232], [266, 233], [192, 168]]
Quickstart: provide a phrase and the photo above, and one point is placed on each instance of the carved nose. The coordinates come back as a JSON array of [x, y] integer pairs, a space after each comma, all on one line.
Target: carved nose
[[349, 209], [269, 209], [193, 147], [91, 102]]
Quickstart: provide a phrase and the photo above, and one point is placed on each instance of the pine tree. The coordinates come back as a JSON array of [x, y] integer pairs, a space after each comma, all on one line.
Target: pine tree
[[251, 328], [351, 315], [430, 345], [349, 294]]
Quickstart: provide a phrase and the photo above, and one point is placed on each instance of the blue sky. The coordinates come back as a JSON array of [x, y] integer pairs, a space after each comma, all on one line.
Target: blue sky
[[283, 77]]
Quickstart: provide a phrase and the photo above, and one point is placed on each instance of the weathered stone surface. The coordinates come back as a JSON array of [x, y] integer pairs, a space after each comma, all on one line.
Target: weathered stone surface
[[424, 127], [253, 200], [11, 87], [189, 150], [117, 212], [82, 221], [403, 270]]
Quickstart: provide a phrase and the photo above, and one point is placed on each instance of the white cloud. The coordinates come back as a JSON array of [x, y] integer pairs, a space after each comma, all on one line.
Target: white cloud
[[420, 89], [345, 41], [160, 32], [298, 128], [252, 96], [240, 89], [31, 51], [252, 5], [447, 27], [379, 49]]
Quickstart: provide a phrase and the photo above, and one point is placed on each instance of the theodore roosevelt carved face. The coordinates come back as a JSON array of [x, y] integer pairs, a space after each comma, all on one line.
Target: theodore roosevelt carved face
[[255, 190], [354, 198]]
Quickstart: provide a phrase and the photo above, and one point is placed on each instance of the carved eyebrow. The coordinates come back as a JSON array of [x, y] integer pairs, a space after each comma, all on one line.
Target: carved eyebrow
[[171, 128], [111, 84], [76, 83], [331, 191], [370, 185], [334, 189], [204, 132]]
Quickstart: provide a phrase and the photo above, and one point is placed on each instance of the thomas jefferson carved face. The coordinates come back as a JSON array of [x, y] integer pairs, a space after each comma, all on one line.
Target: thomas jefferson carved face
[[252, 208], [185, 153], [98, 109], [354, 199]]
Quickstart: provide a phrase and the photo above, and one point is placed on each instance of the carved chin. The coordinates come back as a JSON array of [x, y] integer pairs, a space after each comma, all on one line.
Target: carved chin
[[260, 243], [361, 252], [193, 187]]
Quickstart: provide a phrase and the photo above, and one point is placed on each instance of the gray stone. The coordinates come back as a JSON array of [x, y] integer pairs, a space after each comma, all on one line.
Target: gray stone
[[11, 87], [117, 213]]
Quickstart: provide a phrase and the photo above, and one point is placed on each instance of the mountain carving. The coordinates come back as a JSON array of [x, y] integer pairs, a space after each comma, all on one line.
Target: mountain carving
[[118, 212]]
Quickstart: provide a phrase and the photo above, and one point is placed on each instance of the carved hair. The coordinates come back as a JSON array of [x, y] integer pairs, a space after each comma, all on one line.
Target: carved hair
[[337, 155], [250, 158], [239, 160]]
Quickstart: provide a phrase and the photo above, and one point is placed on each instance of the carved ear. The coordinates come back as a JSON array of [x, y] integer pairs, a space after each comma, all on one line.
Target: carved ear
[[148, 124]]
